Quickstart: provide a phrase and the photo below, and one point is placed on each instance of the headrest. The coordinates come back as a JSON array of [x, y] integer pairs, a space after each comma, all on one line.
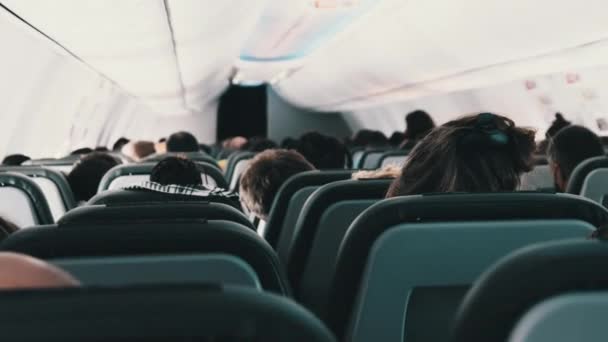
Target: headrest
[[149, 237], [122, 197], [56, 177], [163, 313], [234, 159], [194, 156], [580, 173], [39, 207], [506, 291], [92, 214], [146, 169]]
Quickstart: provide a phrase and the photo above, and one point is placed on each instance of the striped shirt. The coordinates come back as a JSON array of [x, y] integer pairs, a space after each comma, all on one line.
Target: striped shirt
[[197, 190]]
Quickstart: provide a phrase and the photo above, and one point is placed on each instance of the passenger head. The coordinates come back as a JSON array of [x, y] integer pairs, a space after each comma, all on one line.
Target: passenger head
[[396, 139], [558, 124], [289, 144], [81, 151], [419, 123], [234, 143], [568, 148], [138, 150], [88, 172], [182, 142], [15, 160], [119, 144], [18, 271], [324, 152], [266, 174], [479, 153], [176, 171], [259, 144], [369, 139]]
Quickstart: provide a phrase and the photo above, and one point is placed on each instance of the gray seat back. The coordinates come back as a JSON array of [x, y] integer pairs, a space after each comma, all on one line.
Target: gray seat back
[[571, 317], [416, 274], [161, 270], [539, 179], [595, 186]]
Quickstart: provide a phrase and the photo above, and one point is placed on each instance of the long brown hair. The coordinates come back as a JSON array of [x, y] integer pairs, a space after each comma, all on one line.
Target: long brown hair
[[478, 153]]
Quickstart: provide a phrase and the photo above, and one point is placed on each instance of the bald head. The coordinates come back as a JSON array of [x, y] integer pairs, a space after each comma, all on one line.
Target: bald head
[[19, 271]]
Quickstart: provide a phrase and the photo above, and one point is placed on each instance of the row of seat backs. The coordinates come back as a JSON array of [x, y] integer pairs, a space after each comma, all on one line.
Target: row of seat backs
[[427, 233], [194, 156], [371, 159], [93, 235], [160, 313], [237, 164], [23, 202], [53, 184], [134, 174]]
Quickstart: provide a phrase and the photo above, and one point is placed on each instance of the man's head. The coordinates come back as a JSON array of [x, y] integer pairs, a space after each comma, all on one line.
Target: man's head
[[322, 151], [119, 144], [266, 173], [176, 171], [19, 271], [88, 172], [182, 142], [15, 159], [568, 148]]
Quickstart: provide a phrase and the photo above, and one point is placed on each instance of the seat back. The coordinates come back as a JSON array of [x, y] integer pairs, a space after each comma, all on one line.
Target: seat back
[[357, 154], [290, 199], [539, 179], [135, 196], [194, 156], [161, 269], [23, 202], [237, 163], [162, 313], [53, 184], [525, 278], [436, 263], [325, 218], [393, 158], [149, 237], [370, 159], [92, 214], [372, 223], [580, 173], [572, 317], [595, 186], [64, 165], [123, 176]]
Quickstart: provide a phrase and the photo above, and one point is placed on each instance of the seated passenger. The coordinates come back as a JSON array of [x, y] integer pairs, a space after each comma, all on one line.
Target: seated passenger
[[234, 143], [15, 160], [324, 152], [369, 139], [557, 125], [161, 146], [387, 172], [87, 174], [138, 150], [18, 271], [259, 144], [418, 124], [479, 153], [182, 142], [119, 144], [265, 175], [396, 139], [176, 171], [568, 148]]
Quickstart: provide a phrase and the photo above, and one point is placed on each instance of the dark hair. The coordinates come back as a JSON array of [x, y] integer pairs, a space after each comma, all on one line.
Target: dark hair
[[182, 142], [119, 144], [80, 151], [289, 143], [259, 144], [479, 153], [266, 174], [8, 226], [88, 172], [396, 139], [324, 152], [558, 124], [142, 149], [15, 159], [101, 149], [419, 123], [162, 140], [369, 138], [571, 146], [176, 171]]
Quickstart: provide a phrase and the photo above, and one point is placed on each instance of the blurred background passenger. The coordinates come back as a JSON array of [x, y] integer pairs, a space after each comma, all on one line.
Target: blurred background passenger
[[138, 150], [119, 144], [418, 125], [478, 153], [259, 144], [87, 173], [182, 142], [323, 152], [15, 160]]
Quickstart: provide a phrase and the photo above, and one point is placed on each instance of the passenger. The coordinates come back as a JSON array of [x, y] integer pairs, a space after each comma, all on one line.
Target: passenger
[[81, 151], [182, 142], [119, 144], [324, 152], [289, 144], [87, 174], [18, 271], [138, 150], [479, 153], [387, 172], [234, 143], [558, 124], [397, 139], [101, 149], [568, 148], [370, 139], [161, 146], [15, 160], [176, 171], [419, 124], [259, 144], [265, 175]]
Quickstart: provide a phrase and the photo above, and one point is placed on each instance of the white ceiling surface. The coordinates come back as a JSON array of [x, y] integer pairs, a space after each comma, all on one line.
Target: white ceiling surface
[[176, 58], [403, 50]]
